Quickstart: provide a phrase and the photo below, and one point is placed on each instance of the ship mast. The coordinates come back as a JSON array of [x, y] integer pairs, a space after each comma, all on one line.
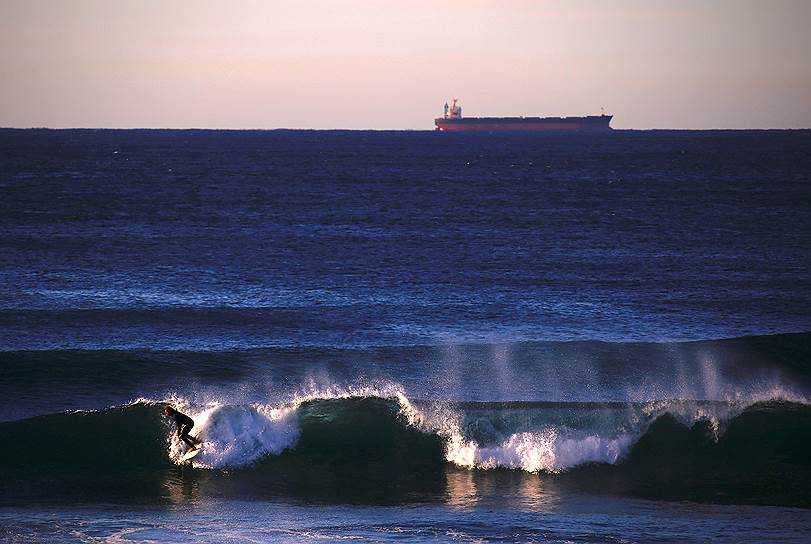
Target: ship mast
[[456, 111]]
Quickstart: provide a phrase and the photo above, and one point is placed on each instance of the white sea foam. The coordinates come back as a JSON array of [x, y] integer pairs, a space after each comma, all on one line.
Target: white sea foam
[[239, 434], [544, 450]]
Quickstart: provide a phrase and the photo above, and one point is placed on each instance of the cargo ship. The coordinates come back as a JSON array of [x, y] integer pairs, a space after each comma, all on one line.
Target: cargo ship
[[453, 120]]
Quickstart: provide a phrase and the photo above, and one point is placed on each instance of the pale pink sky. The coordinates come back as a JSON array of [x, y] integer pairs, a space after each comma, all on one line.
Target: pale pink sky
[[392, 64]]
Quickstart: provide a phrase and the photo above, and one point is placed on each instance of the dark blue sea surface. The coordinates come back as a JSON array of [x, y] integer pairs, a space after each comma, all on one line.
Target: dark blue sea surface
[[406, 336]]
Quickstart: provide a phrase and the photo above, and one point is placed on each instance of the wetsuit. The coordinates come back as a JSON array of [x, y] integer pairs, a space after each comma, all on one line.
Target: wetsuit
[[184, 425]]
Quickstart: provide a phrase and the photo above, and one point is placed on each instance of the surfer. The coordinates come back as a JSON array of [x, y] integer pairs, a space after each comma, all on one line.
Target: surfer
[[184, 425]]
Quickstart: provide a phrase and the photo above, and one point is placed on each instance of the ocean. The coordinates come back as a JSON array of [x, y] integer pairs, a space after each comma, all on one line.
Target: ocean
[[405, 336]]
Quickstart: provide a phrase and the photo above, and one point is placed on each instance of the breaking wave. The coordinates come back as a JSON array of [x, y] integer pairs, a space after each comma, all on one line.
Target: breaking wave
[[366, 425], [528, 436]]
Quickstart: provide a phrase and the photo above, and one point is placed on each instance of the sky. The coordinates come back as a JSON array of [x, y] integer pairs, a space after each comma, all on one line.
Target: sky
[[392, 64]]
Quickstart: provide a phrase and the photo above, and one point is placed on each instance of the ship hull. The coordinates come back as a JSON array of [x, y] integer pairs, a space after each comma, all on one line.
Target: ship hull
[[591, 123]]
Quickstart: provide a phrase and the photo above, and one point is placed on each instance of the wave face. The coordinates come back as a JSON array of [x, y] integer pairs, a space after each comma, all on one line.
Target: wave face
[[378, 443]]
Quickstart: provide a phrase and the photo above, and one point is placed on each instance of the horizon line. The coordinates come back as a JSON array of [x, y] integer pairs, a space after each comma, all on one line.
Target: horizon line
[[339, 129]]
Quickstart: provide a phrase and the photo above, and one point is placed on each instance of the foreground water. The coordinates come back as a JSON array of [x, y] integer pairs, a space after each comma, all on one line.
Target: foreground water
[[541, 518], [405, 336]]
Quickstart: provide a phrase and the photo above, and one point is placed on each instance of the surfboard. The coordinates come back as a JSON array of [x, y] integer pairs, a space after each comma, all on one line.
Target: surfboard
[[191, 454]]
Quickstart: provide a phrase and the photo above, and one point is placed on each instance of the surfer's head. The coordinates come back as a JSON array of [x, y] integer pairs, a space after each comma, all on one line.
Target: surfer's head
[[168, 410]]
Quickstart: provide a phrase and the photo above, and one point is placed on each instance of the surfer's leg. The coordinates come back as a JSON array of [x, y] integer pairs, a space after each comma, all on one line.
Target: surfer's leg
[[184, 436]]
